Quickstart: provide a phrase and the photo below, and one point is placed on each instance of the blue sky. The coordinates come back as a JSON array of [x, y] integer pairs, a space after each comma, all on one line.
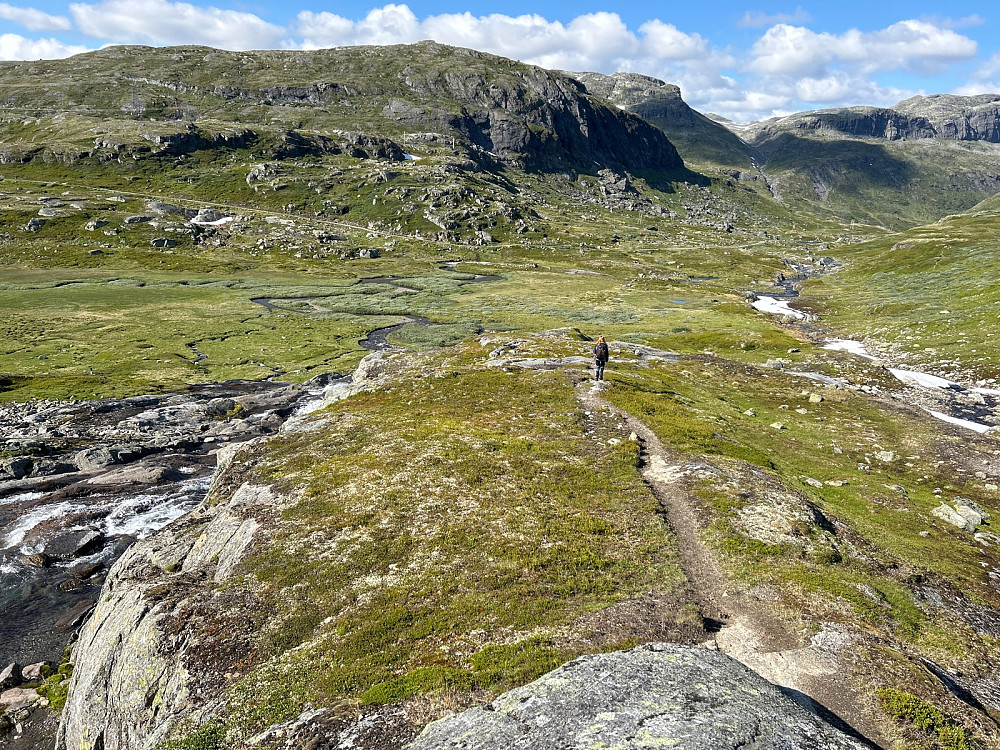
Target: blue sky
[[743, 61]]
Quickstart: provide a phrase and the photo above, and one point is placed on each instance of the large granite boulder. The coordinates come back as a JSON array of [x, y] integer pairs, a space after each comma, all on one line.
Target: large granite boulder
[[658, 695]]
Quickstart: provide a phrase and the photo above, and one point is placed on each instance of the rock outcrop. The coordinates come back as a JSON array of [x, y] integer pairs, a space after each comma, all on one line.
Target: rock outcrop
[[659, 695]]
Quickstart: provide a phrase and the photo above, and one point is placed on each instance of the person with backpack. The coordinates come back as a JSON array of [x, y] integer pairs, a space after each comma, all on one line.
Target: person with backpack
[[601, 355]]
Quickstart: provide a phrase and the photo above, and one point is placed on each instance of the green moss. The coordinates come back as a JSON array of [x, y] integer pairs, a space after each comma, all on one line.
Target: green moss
[[212, 736], [911, 712]]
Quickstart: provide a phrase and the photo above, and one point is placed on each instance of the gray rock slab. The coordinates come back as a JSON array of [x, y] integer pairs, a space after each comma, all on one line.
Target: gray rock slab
[[653, 696], [72, 544]]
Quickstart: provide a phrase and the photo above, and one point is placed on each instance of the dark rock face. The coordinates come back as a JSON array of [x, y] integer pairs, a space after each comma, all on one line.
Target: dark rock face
[[659, 695]]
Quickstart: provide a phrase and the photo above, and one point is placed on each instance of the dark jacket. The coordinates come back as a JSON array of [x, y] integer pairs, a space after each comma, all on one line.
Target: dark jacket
[[601, 352]]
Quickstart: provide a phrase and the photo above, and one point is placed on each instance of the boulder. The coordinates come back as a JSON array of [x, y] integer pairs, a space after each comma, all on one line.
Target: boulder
[[72, 544], [949, 515], [17, 699], [136, 219], [36, 672], [657, 695], [10, 676], [220, 407], [970, 511], [92, 459], [15, 468], [94, 224], [34, 224], [208, 216]]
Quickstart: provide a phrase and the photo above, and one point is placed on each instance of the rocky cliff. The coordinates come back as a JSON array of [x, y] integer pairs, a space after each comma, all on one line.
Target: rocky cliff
[[698, 137]]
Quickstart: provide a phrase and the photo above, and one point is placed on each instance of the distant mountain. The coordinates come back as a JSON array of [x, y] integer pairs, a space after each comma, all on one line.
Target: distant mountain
[[897, 167], [698, 138], [947, 117]]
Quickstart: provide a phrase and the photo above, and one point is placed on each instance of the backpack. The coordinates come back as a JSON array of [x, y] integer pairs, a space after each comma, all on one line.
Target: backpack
[[601, 351]]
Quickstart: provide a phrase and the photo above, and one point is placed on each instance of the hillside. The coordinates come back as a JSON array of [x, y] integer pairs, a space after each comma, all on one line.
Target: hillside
[[364, 284]]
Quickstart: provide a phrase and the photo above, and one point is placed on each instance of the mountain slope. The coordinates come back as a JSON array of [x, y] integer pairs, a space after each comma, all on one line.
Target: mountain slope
[[496, 108]]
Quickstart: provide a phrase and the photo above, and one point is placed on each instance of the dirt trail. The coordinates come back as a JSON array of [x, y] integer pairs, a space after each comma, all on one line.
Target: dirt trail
[[816, 672]]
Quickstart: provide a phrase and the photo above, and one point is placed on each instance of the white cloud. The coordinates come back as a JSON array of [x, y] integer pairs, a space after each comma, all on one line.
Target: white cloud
[[915, 46], [14, 47], [593, 41], [164, 22], [33, 19], [986, 80], [757, 19]]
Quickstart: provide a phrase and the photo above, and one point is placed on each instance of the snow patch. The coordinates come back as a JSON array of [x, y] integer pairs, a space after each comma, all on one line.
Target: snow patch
[[923, 379], [848, 345], [777, 306], [982, 429]]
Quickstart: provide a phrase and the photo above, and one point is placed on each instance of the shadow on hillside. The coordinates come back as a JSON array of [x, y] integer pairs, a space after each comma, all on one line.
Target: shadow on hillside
[[666, 181], [843, 161], [828, 716]]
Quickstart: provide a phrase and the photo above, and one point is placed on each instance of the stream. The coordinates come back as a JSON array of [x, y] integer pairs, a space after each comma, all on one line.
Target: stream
[[976, 409], [84, 480]]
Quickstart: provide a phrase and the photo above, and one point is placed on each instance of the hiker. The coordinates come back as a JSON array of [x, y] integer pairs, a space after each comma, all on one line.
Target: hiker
[[600, 356]]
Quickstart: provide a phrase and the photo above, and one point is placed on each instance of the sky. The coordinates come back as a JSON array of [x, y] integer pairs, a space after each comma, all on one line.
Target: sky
[[742, 61]]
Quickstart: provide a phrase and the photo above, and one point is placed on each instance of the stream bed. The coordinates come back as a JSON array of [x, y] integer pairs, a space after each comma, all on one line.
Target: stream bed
[[81, 481]]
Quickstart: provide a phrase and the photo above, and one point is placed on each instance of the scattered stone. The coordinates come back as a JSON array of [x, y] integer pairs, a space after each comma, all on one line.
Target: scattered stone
[[801, 411], [36, 672], [36, 560], [815, 398], [368, 252], [139, 219], [987, 539], [814, 482], [74, 617], [34, 224], [84, 570], [163, 242], [751, 412], [633, 437], [49, 211], [661, 695], [95, 251], [885, 457], [836, 482], [10, 676], [94, 224], [15, 700], [949, 515], [777, 426]]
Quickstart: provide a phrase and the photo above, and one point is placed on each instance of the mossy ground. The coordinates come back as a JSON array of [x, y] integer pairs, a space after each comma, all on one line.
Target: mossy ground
[[462, 530]]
